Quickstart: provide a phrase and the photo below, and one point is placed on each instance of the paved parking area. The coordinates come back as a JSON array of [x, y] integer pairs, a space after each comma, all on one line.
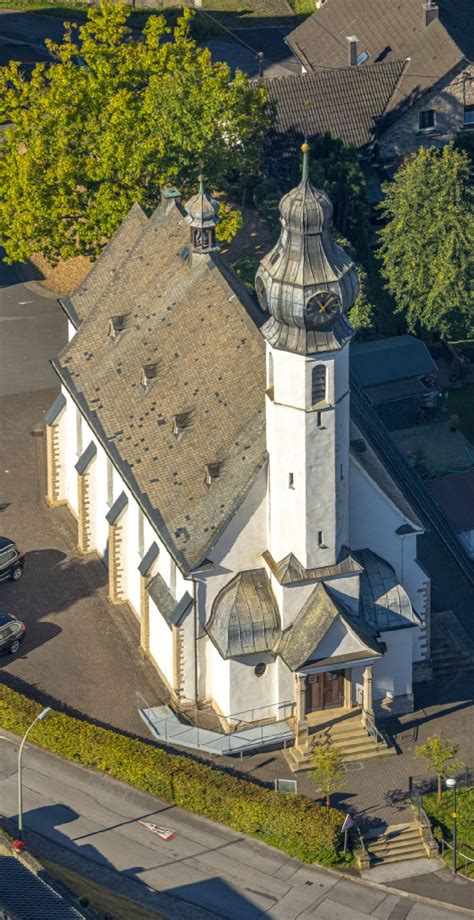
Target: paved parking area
[[79, 651]]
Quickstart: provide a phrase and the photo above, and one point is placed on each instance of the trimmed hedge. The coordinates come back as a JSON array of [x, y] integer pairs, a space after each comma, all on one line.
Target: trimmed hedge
[[293, 823]]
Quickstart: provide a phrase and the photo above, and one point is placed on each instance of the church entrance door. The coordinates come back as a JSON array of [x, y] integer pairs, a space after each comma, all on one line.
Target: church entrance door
[[324, 691]]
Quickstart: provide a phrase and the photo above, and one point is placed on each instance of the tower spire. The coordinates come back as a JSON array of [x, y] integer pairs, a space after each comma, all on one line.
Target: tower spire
[[305, 170]]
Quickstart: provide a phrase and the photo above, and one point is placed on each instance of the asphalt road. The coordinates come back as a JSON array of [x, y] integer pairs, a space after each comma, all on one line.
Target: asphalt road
[[32, 330], [208, 868]]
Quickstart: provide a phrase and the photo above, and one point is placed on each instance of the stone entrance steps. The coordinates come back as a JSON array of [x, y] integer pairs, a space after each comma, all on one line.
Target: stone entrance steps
[[349, 736], [452, 649], [395, 843]]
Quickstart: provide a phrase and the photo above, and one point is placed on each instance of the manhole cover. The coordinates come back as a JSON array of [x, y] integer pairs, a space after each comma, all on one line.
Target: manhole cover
[[355, 765]]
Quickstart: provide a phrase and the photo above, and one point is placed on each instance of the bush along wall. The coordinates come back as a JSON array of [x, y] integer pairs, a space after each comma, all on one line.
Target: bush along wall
[[293, 823]]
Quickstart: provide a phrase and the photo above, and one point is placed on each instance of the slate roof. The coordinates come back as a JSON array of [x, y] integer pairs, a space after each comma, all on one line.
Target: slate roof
[[311, 625], [345, 102], [194, 323], [289, 570], [26, 896], [88, 293], [386, 360], [244, 618], [384, 603], [172, 612], [391, 32], [455, 496]]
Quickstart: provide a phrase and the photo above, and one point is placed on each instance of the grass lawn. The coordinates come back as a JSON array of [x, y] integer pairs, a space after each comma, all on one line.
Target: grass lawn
[[100, 899], [442, 822], [303, 7], [461, 402]]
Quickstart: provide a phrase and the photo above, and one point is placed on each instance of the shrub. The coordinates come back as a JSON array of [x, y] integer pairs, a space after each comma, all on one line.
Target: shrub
[[293, 823]]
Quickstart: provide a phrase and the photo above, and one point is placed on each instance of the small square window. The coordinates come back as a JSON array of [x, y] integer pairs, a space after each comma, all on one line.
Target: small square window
[[320, 538], [426, 119], [291, 481], [469, 116]]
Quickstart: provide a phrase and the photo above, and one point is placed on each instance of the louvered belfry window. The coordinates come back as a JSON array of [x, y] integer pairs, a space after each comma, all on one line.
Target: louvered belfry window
[[318, 384]]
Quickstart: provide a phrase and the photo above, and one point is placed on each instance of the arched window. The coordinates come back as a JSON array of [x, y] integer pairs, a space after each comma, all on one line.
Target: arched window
[[270, 371], [318, 384]]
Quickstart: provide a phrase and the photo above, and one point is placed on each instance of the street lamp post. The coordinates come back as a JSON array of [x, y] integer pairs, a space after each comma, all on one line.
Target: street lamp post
[[451, 784], [39, 718]]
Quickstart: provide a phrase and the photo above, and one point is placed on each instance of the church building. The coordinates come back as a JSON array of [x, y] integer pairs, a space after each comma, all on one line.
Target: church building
[[205, 444]]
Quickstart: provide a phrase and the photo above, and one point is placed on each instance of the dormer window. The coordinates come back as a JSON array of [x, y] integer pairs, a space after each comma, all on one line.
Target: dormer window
[[212, 472], [181, 421], [149, 372], [116, 326]]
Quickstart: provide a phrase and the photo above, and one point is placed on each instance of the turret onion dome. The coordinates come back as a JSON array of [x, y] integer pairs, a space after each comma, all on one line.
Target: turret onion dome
[[202, 209], [307, 282]]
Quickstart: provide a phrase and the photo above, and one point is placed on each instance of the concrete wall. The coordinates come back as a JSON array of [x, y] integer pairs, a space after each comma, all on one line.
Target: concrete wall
[[448, 100], [161, 644]]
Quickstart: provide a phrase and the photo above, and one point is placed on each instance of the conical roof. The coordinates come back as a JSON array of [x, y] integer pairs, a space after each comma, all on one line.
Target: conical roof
[[307, 282], [202, 209]]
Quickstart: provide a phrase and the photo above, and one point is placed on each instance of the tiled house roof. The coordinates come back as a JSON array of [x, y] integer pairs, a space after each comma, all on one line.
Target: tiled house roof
[[192, 327], [345, 102], [391, 32], [24, 895]]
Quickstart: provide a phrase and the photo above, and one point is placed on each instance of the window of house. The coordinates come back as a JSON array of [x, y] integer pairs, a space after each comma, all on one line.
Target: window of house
[[110, 483], [291, 481], [260, 669], [426, 119], [318, 384], [320, 538], [469, 116], [319, 417], [141, 532], [78, 432]]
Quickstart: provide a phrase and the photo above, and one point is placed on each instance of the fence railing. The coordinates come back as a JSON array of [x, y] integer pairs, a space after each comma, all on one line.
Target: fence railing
[[465, 860], [397, 464], [373, 731], [424, 819]]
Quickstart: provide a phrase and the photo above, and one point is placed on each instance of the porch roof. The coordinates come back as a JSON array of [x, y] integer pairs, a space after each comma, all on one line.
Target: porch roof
[[301, 639]]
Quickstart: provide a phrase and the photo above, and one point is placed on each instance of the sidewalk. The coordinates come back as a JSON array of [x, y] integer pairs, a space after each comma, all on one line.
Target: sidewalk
[[207, 870]]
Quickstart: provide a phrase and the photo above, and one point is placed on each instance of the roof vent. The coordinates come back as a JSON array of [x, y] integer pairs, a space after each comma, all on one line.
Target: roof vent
[[149, 372], [212, 472], [181, 421], [116, 326]]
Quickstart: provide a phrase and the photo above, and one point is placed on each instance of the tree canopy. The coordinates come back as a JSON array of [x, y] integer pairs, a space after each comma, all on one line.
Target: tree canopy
[[426, 253], [111, 121]]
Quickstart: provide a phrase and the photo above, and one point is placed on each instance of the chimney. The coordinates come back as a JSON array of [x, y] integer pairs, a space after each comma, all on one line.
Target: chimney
[[352, 49], [430, 12]]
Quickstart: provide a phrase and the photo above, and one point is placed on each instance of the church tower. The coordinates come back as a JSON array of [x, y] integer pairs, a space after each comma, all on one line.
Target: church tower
[[307, 283]]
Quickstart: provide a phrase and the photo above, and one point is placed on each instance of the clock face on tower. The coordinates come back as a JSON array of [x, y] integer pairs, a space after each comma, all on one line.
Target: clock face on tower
[[321, 309]]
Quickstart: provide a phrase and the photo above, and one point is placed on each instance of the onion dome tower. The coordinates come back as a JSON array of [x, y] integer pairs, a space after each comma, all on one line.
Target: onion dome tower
[[307, 282], [203, 218]]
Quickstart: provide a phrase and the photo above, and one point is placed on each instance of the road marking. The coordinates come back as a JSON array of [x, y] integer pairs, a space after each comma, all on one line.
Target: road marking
[[11, 740], [165, 833], [22, 303]]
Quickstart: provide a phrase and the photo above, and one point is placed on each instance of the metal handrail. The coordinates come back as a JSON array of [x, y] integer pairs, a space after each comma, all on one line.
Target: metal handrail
[[395, 461], [467, 859], [372, 729], [418, 803]]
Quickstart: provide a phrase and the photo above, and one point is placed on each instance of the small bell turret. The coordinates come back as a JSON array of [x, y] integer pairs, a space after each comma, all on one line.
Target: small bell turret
[[203, 218]]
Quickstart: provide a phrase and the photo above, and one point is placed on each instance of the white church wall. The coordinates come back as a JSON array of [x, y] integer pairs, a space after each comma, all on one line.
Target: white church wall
[[291, 598], [239, 548], [187, 638], [252, 698], [70, 434], [347, 590], [218, 675], [392, 674], [161, 643], [286, 684]]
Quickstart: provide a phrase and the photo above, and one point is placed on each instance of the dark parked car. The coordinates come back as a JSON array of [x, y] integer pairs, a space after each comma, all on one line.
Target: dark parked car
[[12, 633], [12, 562]]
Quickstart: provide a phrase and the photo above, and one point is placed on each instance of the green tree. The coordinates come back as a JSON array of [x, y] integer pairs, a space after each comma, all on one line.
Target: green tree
[[328, 772], [109, 122], [426, 252], [439, 756]]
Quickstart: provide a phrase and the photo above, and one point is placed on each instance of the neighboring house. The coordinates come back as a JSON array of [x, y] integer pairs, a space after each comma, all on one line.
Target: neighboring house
[[398, 375], [207, 449], [455, 496], [347, 102], [434, 95]]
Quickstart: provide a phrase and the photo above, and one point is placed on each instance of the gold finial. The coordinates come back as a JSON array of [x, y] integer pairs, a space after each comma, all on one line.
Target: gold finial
[[305, 147]]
